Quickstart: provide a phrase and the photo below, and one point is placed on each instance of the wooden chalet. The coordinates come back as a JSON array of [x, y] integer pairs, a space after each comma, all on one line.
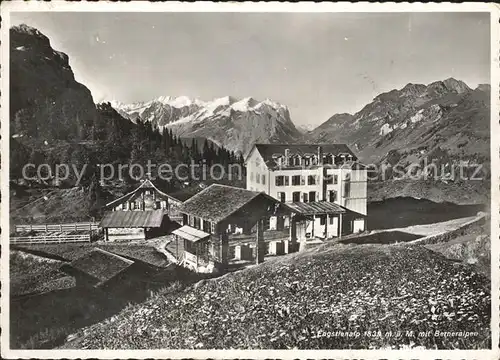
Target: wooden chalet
[[211, 215], [141, 214], [145, 197]]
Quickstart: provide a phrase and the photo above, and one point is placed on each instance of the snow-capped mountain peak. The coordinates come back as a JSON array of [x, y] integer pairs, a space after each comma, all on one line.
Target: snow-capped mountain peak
[[267, 120], [179, 102]]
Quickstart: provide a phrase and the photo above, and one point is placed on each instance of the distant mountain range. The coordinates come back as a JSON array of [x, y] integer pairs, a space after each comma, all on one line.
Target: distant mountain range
[[445, 119], [233, 123], [445, 122], [417, 120]]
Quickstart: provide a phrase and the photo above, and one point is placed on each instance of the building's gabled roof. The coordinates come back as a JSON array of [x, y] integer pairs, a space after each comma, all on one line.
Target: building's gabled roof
[[99, 265], [123, 219], [146, 184], [316, 208], [217, 202], [190, 233], [267, 151]]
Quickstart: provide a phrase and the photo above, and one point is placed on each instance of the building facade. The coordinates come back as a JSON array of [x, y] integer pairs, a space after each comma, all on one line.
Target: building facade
[[311, 173], [211, 217], [145, 197], [141, 214]]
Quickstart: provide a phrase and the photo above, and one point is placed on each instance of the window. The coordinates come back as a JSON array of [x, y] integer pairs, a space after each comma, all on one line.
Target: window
[[263, 179], [328, 159], [251, 176], [305, 197], [322, 220], [296, 196], [335, 179], [295, 160], [280, 180], [347, 186], [314, 160], [332, 196], [157, 205], [207, 225], [296, 179], [282, 196], [257, 178], [124, 206], [311, 180], [312, 196], [307, 161], [328, 179]]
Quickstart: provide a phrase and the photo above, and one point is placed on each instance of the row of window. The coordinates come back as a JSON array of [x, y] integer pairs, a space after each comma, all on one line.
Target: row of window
[[308, 160], [310, 196], [284, 180], [200, 224], [140, 205], [259, 178]]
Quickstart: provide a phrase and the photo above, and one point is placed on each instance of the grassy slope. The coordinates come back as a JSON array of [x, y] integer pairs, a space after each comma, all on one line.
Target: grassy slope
[[472, 247], [45, 305], [61, 206], [291, 301]]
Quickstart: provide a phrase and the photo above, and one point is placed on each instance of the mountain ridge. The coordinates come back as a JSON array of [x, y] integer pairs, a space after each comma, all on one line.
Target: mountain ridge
[[45, 98], [445, 123], [413, 108], [227, 121]]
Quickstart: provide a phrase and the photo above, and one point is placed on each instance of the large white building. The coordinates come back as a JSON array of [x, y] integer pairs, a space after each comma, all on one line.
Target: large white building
[[315, 174]]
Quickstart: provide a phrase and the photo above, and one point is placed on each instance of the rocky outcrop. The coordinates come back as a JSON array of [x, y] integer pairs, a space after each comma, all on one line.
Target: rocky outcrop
[[45, 99]]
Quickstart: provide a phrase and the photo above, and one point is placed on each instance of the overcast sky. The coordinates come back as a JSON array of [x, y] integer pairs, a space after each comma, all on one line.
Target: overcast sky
[[317, 64]]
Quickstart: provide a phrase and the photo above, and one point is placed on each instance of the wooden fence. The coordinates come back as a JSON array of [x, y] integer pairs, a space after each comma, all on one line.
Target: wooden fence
[[57, 227], [52, 239]]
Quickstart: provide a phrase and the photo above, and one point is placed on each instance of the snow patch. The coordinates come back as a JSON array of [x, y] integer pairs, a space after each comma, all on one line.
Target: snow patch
[[386, 129], [179, 102], [245, 104], [417, 117]]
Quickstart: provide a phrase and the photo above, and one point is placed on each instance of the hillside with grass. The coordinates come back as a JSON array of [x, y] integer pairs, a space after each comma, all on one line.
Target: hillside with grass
[[472, 246], [46, 305], [309, 300]]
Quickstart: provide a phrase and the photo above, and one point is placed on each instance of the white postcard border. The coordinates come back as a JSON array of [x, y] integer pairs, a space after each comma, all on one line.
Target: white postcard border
[[139, 6]]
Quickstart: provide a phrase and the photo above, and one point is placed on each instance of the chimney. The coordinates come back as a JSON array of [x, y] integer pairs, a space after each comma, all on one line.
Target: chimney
[[320, 155], [287, 157]]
